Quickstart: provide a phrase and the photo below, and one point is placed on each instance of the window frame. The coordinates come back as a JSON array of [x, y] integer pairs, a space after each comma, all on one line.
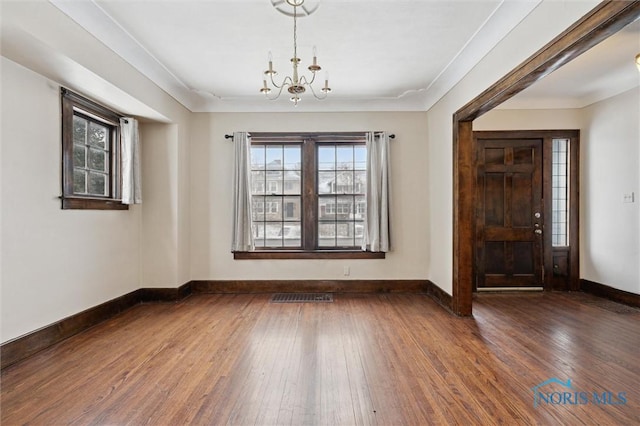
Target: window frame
[[309, 199], [73, 104]]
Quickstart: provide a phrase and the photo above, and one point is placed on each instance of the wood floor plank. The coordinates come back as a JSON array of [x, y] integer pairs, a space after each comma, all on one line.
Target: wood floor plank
[[366, 359]]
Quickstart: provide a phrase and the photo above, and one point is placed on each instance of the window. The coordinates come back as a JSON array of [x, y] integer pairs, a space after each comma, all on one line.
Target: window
[[273, 164], [560, 187], [90, 155], [315, 199]]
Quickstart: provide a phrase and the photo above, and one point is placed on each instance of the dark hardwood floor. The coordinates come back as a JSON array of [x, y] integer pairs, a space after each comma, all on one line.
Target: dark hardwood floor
[[384, 359]]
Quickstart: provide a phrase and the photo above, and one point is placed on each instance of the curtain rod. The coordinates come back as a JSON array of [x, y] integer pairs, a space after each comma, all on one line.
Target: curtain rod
[[391, 136]]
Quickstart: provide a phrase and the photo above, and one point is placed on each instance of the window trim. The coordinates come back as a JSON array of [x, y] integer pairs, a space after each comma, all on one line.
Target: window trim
[[309, 249], [70, 104]]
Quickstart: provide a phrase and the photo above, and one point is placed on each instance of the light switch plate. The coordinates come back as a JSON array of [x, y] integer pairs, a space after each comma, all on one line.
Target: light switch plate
[[628, 197]]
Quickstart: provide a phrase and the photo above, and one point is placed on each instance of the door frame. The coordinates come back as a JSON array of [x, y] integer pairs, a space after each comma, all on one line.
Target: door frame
[[547, 137], [606, 19]]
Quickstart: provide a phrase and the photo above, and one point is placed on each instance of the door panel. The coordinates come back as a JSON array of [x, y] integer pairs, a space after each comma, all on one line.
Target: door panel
[[509, 218]]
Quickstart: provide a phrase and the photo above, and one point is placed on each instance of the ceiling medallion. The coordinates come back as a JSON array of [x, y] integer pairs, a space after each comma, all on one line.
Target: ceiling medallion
[[295, 84]]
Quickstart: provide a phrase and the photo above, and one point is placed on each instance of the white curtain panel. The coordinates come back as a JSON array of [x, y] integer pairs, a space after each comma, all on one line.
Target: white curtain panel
[[242, 238], [130, 158], [377, 235]]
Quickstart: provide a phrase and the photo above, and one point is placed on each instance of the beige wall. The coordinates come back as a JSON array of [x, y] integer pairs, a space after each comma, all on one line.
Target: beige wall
[[211, 165], [56, 263], [530, 119]]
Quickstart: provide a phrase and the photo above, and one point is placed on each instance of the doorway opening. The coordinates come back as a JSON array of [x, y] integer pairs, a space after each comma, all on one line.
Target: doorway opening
[[606, 19]]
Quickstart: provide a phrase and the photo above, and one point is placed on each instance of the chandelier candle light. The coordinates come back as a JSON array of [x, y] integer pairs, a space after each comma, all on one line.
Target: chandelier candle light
[[296, 84]]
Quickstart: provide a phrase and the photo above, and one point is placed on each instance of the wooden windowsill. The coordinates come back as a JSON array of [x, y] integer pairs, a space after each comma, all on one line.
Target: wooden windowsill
[[288, 254], [87, 203]]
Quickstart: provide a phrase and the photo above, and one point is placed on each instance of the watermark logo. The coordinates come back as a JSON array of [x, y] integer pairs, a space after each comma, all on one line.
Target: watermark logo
[[568, 395]]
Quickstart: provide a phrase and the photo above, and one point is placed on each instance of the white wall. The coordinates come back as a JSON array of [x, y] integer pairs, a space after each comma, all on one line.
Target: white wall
[[610, 159], [57, 263], [211, 162], [548, 20]]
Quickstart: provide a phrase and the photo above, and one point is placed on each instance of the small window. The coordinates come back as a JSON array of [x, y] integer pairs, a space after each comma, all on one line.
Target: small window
[[90, 155]]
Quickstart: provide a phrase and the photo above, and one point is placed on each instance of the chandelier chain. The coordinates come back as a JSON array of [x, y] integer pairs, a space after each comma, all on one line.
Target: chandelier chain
[[295, 32]]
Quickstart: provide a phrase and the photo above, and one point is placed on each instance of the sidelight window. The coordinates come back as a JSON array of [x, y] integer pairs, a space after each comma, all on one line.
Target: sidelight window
[[560, 191]]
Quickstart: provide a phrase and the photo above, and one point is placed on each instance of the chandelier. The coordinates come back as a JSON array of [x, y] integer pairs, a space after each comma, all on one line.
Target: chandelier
[[295, 84]]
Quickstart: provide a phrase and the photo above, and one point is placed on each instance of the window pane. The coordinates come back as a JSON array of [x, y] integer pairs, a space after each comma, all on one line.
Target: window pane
[[326, 208], [360, 182], [79, 156], [344, 207], [360, 208], [345, 234], [97, 159], [292, 234], [257, 208], [344, 182], [292, 159], [345, 157], [291, 208], [97, 135], [292, 182], [258, 234], [326, 182], [79, 182], [97, 184], [326, 157], [273, 208], [273, 235], [257, 157], [360, 157], [327, 235], [274, 182], [274, 157], [79, 130], [257, 182]]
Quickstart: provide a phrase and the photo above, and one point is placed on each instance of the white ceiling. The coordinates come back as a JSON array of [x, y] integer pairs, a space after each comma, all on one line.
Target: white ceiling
[[605, 70], [381, 55]]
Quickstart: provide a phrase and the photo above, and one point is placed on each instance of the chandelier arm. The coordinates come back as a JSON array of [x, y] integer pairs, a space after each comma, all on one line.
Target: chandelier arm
[[285, 83], [305, 82], [315, 95], [276, 96], [313, 78], [275, 85]]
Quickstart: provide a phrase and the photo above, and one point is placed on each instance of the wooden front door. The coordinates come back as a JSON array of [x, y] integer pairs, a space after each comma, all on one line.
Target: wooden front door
[[509, 216]]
